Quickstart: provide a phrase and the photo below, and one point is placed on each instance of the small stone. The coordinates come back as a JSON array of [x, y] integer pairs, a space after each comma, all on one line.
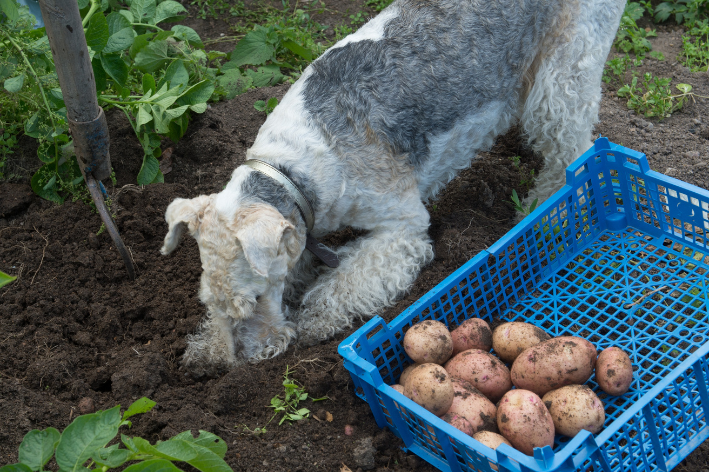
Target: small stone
[[283, 449], [691, 154], [265, 463], [363, 454], [304, 447], [93, 241], [86, 406], [671, 171], [349, 429]]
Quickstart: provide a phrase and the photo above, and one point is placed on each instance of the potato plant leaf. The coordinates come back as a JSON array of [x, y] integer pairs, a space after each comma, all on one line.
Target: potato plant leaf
[[14, 84], [111, 457], [185, 33], [141, 405], [84, 435], [120, 40], [116, 68], [153, 465], [265, 76], [143, 10], [15, 468], [168, 10], [6, 279], [233, 83], [97, 34], [9, 8], [205, 439], [149, 170], [153, 56], [117, 22]]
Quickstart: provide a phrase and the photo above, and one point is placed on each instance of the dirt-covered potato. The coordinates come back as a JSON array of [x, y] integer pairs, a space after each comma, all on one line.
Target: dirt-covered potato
[[458, 421], [553, 364], [474, 406], [509, 340], [474, 333], [484, 371], [430, 386], [490, 439], [524, 421], [573, 408], [405, 373], [614, 371], [399, 388], [428, 342]]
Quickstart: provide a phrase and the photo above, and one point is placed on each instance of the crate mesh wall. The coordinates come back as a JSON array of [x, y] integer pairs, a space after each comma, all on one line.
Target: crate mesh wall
[[575, 270]]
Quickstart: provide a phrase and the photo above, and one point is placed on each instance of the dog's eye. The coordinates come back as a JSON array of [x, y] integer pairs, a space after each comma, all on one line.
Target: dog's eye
[[258, 298]]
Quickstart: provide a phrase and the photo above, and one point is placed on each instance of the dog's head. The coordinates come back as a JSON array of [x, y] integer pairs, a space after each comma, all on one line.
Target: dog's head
[[246, 251]]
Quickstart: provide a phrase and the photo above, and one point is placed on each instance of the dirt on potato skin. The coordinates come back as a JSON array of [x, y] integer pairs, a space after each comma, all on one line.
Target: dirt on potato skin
[[73, 326]]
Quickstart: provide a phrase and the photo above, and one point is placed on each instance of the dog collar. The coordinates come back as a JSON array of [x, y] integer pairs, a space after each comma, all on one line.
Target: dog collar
[[301, 202], [324, 253]]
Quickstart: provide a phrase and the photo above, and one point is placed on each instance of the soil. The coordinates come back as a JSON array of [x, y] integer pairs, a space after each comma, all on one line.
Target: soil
[[74, 327]]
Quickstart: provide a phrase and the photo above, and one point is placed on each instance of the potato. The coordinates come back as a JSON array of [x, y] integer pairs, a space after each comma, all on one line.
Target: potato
[[398, 388], [459, 422], [573, 408], [510, 339], [468, 402], [490, 439], [484, 371], [614, 371], [474, 333], [430, 386], [428, 342], [524, 421], [405, 373], [553, 364]]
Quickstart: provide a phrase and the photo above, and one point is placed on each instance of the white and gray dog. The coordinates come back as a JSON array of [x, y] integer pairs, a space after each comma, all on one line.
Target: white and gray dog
[[374, 128]]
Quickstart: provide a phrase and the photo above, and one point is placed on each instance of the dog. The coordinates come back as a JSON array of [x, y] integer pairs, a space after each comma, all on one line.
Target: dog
[[371, 131]]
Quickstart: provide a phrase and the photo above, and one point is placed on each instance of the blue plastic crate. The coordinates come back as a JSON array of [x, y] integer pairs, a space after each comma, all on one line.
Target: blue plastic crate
[[619, 256]]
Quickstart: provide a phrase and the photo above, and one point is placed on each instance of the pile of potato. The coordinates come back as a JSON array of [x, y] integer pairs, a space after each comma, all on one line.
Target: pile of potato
[[456, 377]]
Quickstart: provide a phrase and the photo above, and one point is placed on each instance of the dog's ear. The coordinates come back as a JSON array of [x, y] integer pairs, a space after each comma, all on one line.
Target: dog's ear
[[265, 236], [182, 214]]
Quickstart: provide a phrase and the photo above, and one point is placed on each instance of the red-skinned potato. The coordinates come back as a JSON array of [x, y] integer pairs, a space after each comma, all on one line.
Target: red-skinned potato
[[509, 340], [428, 342], [468, 402], [573, 408], [430, 386], [459, 422], [614, 371], [553, 364], [474, 333], [524, 421], [484, 371]]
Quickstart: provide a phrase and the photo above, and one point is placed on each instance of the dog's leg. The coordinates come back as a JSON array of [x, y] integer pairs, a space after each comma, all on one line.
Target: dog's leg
[[211, 349], [374, 271], [562, 106]]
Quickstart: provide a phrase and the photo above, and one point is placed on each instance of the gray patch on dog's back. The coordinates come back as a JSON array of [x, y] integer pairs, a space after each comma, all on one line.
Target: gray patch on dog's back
[[437, 63], [263, 187]]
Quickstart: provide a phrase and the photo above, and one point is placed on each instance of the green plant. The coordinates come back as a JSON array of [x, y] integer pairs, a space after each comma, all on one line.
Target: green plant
[[695, 48], [687, 12], [266, 107], [630, 37], [285, 39], [8, 140], [618, 66], [357, 19], [518, 206], [155, 76], [217, 8], [85, 440], [378, 5], [288, 405], [6, 279], [653, 98], [516, 160]]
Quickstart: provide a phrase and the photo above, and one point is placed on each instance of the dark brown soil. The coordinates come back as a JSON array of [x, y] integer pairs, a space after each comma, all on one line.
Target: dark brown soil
[[73, 326]]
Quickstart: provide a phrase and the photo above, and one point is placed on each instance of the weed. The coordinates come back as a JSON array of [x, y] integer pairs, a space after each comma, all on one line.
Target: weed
[[695, 48], [618, 66], [687, 12], [527, 210], [630, 37], [266, 107], [217, 8], [256, 431], [378, 5], [288, 405], [6, 279], [653, 98], [357, 19], [515, 161], [85, 440], [657, 55]]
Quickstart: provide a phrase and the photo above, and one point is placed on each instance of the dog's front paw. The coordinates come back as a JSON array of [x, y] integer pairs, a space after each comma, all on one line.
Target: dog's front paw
[[315, 327]]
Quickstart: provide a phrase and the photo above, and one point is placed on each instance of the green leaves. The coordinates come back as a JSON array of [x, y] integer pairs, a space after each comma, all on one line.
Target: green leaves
[[9, 8], [142, 10], [253, 49], [116, 68], [153, 56], [266, 107], [168, 10], [84, 435], [6, 279], [38, 447], [87, 435], [97, 34]]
